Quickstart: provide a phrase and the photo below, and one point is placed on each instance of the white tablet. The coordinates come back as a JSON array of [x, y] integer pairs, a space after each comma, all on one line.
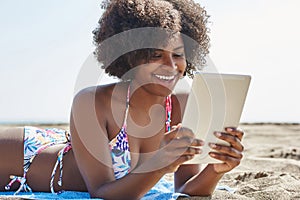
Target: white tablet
[[215, 101]]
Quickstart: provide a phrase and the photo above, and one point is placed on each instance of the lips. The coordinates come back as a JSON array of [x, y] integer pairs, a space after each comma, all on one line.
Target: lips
[[167, 81]]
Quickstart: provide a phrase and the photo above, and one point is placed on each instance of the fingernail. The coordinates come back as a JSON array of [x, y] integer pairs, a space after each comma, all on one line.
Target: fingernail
[[218, 134], [212, 145], [212, 154], [229, 129]]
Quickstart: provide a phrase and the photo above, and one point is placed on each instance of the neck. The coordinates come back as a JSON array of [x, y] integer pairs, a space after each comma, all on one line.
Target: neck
[[141, 98]]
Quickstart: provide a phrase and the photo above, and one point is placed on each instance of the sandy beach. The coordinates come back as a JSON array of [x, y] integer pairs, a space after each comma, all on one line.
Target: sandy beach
[[270, 168]]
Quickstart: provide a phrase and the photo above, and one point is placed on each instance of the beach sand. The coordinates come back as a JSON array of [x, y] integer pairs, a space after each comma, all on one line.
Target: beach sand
[[270, 168]]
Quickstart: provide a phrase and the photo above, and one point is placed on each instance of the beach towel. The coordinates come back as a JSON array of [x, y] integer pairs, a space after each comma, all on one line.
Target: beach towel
[[163, 190]]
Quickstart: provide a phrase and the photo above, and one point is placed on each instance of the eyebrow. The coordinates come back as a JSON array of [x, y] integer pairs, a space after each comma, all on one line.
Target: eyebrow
[[180, 47]]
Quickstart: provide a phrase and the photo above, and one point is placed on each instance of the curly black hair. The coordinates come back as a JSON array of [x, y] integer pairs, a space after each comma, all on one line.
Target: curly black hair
[[114, 33]]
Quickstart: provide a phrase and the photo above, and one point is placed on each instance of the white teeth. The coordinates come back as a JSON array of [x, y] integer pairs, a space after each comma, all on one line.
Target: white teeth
[[165, 78]]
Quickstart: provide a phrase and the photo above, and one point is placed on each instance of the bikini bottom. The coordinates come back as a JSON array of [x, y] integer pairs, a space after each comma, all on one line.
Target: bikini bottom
[[35, 141]]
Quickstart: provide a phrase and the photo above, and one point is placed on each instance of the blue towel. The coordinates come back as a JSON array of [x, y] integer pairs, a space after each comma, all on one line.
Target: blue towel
[[48, 195], [163, 190]]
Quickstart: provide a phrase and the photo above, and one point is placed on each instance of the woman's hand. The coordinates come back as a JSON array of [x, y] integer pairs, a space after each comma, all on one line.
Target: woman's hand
[[230, 155], [177, 146]]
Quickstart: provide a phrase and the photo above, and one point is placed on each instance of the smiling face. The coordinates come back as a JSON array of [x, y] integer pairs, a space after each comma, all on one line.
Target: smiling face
[[164, 68]]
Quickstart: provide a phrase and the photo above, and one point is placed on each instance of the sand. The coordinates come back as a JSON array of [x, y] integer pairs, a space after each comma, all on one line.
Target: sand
[[270, 168]]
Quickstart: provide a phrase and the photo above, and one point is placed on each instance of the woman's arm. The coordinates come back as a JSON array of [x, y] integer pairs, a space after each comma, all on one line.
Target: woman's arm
[[189, 180]]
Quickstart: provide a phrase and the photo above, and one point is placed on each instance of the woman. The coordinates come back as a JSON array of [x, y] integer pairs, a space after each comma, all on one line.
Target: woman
[[126, 136]]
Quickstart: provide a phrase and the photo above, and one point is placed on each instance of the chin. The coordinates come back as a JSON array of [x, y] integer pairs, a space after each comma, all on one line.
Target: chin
[[160, 90]]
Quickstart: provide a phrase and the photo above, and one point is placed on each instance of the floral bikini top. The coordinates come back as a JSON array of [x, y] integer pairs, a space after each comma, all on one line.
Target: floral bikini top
[[120, 151]]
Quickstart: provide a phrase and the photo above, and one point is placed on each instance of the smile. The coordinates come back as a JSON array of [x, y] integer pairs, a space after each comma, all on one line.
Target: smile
[[164, 78]]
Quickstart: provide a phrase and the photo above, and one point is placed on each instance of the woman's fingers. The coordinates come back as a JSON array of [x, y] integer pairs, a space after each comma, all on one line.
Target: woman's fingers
[[231, 161], [183, 135], [186, 142], [179, 132], [232, 139], [187, 151], [239, 133], [177, 148], [231, 155], [180, 144], [228, 150]]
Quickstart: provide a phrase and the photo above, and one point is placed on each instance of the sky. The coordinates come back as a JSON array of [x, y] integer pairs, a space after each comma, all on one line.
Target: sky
[[45, 44]]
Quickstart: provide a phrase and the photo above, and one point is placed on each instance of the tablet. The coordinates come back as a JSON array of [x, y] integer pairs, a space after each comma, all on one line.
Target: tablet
[[215, 101]]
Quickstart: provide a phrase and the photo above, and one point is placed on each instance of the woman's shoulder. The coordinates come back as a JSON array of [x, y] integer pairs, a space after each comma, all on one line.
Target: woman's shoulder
[[101, 95], [90, 104], [95, 90]]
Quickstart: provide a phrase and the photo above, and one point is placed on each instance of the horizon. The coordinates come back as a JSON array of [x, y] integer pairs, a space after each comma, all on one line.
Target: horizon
[[59, 123]]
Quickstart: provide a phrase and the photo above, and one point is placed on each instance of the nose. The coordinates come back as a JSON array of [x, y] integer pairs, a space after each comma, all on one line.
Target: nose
[[170, 62]]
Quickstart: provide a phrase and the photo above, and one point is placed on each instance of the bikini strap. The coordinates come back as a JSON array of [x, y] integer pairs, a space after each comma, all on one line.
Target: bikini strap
[[59, 162], [168, 113], [127, 108]]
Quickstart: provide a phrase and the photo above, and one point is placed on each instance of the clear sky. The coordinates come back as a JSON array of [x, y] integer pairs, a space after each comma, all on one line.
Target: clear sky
[[44, 44]]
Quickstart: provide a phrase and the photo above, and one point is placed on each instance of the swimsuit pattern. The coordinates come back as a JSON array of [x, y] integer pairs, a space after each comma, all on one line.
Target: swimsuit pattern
[[35, 141], [120, 154]]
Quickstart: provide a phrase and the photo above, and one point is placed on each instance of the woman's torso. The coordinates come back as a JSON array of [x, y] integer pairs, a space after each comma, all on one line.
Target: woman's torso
[[140, 125]]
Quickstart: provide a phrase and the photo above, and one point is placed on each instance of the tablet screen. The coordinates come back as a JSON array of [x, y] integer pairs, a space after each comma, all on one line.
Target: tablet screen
[[215, 101]]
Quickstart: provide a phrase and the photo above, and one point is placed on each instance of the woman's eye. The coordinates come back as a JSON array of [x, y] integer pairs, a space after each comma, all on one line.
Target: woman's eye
[[178, 55], [156, 55]]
